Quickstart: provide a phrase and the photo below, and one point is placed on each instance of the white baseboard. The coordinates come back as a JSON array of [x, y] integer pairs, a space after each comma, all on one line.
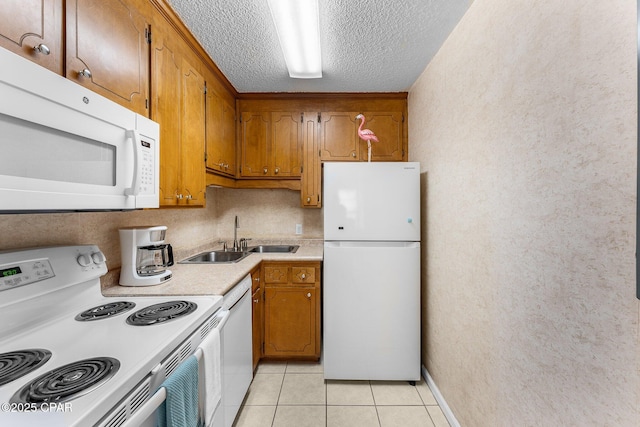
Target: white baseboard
[[440, 399]]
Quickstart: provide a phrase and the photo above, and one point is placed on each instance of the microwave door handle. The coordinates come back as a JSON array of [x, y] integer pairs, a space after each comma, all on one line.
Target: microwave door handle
[[137, 155]]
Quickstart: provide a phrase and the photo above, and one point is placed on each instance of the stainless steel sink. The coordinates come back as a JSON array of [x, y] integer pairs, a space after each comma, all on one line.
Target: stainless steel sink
[[215, 257], [274, 248]]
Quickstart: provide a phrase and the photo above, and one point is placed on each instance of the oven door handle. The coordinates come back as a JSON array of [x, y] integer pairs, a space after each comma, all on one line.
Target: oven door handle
[[154, 402]]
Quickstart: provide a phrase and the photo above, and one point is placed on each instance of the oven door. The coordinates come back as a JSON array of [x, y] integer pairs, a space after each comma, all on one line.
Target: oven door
[[67, 148], [146, 414]]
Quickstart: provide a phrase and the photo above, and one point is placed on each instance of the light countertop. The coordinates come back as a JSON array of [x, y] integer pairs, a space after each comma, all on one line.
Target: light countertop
[[211, 279]]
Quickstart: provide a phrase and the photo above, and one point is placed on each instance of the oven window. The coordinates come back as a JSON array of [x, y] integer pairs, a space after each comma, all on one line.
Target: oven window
[[30, 150]]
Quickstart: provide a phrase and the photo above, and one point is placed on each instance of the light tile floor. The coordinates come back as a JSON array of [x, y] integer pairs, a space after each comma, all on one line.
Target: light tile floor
[[295, 394]]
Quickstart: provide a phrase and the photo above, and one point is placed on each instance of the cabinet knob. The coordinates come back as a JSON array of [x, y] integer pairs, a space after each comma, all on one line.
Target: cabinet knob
[[353, 154], [189, 197], [309, 295], [85, 73], [42, 48], [308, 199], [277, 170], [264, 170], [179, 196], [303, 276], [256, 300]]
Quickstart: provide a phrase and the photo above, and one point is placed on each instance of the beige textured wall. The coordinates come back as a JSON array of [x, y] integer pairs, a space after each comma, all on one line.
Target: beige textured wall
[[262, 213], [525, 125]]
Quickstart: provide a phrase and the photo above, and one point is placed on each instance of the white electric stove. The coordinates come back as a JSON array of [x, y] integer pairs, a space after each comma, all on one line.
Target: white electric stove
[[72, 357]]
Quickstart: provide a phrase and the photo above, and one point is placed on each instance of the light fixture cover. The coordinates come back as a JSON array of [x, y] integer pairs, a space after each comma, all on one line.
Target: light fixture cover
[[297, 24]]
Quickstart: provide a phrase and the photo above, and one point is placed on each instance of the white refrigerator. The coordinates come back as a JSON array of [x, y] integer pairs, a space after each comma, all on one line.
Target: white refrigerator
[[371, 271]]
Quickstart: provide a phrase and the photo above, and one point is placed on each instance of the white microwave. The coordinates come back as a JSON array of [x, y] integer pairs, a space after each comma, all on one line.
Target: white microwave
[[66, 148]]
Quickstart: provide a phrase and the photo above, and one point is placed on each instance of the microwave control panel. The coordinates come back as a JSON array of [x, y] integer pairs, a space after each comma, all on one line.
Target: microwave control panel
[[147, 167]]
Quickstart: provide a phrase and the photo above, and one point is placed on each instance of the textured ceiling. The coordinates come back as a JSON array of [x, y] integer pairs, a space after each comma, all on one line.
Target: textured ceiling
[[367, 45]]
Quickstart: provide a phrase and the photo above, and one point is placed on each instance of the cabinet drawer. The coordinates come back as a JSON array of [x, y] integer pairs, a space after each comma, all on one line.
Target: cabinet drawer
[[276, 274], [303, 274]]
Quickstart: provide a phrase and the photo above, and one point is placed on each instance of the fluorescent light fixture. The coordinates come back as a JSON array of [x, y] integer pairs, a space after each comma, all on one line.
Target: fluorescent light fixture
[[299, 33]]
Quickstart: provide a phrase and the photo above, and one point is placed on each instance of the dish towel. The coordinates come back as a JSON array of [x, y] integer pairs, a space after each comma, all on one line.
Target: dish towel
[[180, 409], [210, 376]]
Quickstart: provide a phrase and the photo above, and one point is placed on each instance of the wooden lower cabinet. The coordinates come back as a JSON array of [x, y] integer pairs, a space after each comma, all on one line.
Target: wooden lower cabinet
[[291, 309], [257, 315]]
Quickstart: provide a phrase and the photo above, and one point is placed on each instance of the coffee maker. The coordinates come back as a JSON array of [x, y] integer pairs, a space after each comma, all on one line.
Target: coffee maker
[[145, 256]]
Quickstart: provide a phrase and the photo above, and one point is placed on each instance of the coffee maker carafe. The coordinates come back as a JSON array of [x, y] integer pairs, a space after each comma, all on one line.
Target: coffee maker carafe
[[145, 256]]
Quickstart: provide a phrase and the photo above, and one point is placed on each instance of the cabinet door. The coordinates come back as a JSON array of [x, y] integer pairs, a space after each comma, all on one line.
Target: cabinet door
[[27, 24], [108, 50], [290, 321], [192, 141], [254, 144], [257, 315], [388, 128], [286, 143], [339, 136], [229, 138], [221, 134], [311, 173], [166, 110]]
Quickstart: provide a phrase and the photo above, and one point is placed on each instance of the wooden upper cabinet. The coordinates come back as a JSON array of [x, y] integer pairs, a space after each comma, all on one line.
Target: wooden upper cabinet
[[271, 144], [221, 134], [311, 180], [339, 140], [107, 49], [254, 140], [286, 144], [178, 104], [192, 141], [339, 136], [29, 24], [388, 127]]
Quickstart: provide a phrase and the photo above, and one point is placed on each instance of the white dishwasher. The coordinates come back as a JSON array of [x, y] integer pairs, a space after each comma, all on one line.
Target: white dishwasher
[[236, 347]]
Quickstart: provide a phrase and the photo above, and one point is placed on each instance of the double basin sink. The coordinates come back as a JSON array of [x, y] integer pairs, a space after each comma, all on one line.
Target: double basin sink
[[224, 257]]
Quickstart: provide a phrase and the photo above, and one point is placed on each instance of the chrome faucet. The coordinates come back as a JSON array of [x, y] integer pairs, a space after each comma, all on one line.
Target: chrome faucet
[[243, 244], [236, 247]]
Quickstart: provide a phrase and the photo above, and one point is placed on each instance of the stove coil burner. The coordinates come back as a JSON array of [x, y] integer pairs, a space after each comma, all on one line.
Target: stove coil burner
[[16, 364], [68, 382], [105, 310], [162, 312]]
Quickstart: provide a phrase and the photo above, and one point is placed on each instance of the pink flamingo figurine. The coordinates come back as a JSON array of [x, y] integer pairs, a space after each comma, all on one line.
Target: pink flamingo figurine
[[366, 135]]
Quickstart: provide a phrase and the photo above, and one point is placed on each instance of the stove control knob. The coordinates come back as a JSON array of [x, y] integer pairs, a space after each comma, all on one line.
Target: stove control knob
[[98, 257], [84, 260]]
